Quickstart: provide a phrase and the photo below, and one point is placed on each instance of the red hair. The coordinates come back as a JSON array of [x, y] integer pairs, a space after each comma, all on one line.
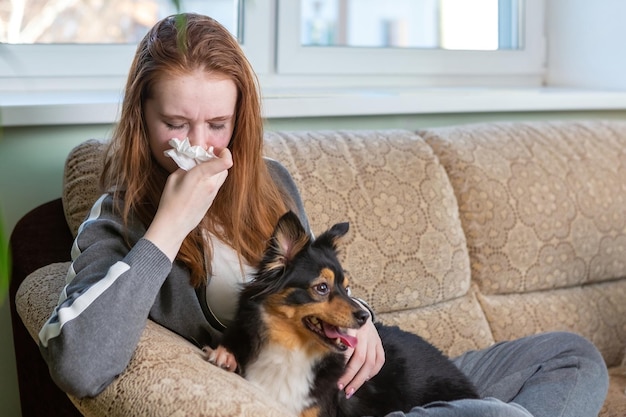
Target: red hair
[[249, 203]]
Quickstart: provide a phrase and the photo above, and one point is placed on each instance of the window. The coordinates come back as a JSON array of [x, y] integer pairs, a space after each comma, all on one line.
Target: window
[[426, 24], [96, 22], [291, 43], [56, 44], [411, 37]]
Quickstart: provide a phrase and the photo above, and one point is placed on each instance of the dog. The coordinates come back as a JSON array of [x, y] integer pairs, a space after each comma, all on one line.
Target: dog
[[290, 333]]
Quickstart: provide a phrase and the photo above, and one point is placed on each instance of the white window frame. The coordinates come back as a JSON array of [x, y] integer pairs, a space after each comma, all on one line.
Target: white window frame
[[292, 58], [51, 67], [272, 44]]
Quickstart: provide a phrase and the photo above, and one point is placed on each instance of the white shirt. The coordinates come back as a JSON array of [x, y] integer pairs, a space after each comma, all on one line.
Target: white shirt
[[223, 287]]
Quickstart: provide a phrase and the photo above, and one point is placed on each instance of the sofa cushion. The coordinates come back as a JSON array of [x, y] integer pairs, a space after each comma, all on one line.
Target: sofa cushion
[[615, 403], [596, 311], [542, 207], [454, 326], [542, 203], [405, 253], [80, 181]]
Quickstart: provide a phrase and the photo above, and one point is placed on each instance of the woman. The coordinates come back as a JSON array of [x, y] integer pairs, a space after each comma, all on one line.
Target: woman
[[151, 241], [173, 245]]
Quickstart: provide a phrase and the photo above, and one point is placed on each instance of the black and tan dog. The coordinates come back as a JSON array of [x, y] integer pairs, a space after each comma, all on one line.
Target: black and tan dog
[[290, 334]]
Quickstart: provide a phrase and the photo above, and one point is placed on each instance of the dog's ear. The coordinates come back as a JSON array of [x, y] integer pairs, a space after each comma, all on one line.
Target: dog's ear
[[288, 240], [333, 236]]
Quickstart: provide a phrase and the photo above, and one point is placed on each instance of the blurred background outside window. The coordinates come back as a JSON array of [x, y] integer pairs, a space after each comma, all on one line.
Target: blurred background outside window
[[428, 24], [97, 21]]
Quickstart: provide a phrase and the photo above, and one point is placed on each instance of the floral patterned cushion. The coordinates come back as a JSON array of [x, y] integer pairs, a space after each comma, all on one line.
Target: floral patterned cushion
[[542, 206]]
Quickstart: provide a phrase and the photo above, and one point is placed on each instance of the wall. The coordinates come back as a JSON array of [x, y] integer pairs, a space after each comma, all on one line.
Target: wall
[[31, 168], [585, 46]]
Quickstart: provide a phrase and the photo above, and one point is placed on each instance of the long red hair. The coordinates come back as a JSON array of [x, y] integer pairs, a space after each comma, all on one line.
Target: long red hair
[[249, 203]]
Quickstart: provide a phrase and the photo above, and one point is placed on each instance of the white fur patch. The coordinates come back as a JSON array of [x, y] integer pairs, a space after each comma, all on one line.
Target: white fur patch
[[286, 375]]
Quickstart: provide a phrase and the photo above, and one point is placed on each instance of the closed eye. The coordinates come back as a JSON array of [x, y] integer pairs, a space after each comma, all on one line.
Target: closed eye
[[171, 126]]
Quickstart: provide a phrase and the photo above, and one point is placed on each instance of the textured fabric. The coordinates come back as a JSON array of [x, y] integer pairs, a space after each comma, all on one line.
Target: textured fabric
[[542, 204], [81, 180], [543, 208], [615, 404], [596, 311], [167, 375]]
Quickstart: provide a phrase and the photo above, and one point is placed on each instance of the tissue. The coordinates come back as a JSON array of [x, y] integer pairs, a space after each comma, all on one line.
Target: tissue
[[187, 156]]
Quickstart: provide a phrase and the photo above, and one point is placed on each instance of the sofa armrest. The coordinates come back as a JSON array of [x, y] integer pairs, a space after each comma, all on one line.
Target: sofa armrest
[[166, 376], [39, 238]]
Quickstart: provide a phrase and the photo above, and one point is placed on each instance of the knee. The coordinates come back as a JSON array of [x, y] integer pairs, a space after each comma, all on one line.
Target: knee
[[587, 356], [575, 345]]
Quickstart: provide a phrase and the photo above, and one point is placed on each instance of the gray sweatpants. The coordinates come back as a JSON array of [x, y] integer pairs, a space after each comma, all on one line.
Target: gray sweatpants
[[547, 375]]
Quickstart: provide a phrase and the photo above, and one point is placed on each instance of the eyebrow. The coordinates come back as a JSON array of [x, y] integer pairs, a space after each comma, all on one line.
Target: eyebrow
[[221, 118], [180, 116]]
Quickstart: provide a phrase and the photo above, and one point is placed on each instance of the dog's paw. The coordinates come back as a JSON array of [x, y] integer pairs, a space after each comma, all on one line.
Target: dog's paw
[[220, 357]]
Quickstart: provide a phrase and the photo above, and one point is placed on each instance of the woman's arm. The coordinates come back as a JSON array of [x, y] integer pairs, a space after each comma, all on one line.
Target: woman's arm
[[117, 272], [94, 330]]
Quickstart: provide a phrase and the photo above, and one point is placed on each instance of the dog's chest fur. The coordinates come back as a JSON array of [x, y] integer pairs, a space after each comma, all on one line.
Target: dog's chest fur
[[284, 374]]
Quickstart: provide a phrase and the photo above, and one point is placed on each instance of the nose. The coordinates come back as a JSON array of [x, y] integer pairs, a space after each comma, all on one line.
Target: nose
[[198, 137], [361, 316]]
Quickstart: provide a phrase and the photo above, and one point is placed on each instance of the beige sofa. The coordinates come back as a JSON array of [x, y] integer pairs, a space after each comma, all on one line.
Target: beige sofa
[[467, 235]]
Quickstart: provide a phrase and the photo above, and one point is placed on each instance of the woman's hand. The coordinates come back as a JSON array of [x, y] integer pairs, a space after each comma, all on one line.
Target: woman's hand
[[186, 197], [364, 361]]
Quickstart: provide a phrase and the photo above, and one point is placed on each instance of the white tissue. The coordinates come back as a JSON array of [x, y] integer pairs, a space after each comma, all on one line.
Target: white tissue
[[187, 156]]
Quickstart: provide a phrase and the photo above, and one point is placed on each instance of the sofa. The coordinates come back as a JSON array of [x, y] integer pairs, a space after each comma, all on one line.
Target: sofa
[[467, 235]]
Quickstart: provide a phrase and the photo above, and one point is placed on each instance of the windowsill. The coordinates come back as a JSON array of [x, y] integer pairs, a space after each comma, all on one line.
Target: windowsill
[[101, 107]]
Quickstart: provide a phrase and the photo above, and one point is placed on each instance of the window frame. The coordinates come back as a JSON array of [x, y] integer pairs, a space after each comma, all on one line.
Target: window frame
[[35, 67], [271, 43], [292, 58]]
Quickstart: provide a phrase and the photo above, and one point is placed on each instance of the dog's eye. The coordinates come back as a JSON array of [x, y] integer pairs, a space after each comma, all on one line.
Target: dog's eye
[[322, 289]]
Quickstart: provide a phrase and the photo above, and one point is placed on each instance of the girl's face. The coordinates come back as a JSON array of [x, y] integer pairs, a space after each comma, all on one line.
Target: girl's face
[[199, 106]]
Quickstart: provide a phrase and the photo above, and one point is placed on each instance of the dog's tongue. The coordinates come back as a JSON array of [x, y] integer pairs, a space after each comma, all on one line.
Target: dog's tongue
[[333, 332]]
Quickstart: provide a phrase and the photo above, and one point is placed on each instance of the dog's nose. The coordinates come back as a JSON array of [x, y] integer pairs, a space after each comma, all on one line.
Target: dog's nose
[[361, 316]]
